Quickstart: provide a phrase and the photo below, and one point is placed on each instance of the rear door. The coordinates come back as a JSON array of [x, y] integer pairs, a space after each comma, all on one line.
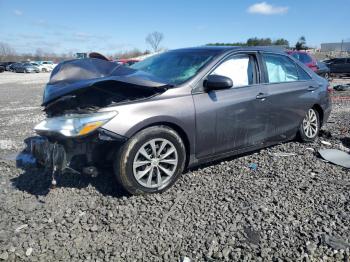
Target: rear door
[[289, 94], [233, 118]]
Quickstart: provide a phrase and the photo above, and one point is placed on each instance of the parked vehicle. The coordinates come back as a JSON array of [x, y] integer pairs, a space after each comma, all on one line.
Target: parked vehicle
[[26, 68], [13, 66], [305, 58], [42, 67], [174, 110], [127, 62], [322, 70], [339, 65], [2, 69], [47, 64], [6, 64]]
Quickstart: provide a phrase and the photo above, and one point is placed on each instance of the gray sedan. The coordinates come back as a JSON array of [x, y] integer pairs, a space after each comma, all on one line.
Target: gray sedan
[[26, 68], [175, 110]]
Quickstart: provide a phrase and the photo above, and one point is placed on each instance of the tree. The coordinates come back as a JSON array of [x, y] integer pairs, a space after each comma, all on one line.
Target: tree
[[154, 39], [301, 44], [6, 52], [282, 42]]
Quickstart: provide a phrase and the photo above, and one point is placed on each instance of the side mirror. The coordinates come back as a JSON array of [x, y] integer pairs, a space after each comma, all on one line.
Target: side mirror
[[217, 82]]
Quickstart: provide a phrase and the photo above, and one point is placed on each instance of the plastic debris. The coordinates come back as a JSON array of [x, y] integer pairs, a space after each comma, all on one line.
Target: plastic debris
[[336, 156], [253, 166], [325, 143], [29, 251], [18, 229], [185, 259], [281, 154], [310, 149]]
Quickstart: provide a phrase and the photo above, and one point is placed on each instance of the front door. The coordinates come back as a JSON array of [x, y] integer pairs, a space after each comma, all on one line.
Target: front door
[[233, 118]]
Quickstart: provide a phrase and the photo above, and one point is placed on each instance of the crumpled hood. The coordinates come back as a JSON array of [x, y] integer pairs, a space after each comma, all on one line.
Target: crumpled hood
[[77, 74]]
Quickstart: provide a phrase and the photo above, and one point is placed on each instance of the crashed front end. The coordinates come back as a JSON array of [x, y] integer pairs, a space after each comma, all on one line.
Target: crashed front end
[[72, 137]]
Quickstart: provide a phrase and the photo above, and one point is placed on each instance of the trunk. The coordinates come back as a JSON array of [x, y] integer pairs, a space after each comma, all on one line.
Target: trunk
[[85, 85]]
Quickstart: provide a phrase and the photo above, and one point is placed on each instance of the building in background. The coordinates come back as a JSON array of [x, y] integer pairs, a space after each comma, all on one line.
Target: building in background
[[335, 47]]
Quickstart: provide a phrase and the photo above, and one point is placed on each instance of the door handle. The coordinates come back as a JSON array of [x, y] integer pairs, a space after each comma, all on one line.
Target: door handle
[[261, 96], [312, 88]]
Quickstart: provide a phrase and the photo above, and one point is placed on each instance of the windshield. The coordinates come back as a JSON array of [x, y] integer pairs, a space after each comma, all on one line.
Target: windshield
[[176, 67]]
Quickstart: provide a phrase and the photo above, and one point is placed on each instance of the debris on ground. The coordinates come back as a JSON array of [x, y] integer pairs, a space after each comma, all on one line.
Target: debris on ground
[[281, 154], [326, 143], [335, 242], [253, 166], [18, 229], [343, 87], [336, 156]]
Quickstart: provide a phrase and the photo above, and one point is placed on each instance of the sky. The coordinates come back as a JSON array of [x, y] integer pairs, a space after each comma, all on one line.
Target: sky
[[113, 26]]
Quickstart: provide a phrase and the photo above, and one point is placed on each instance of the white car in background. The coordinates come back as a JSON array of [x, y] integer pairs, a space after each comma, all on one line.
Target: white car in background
[[45, 66], [42, 68]]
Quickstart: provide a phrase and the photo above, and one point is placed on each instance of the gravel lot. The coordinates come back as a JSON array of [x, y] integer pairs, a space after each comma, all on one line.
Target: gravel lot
[[290, 208]]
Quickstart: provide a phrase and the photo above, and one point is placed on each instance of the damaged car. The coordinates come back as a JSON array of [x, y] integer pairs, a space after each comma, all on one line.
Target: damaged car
[[175, 110]]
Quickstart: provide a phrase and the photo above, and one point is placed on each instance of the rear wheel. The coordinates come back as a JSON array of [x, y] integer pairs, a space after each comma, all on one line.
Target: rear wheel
[[151, 161], [310, 126]]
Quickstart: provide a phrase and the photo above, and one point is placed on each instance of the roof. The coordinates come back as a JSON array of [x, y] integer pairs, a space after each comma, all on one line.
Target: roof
[[220, 49]]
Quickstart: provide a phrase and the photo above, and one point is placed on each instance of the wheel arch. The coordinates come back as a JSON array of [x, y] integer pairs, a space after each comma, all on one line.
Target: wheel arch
[[182, 133], [320, 112]]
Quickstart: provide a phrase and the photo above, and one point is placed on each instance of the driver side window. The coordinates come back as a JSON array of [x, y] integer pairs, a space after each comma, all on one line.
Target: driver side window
[[239, 68]]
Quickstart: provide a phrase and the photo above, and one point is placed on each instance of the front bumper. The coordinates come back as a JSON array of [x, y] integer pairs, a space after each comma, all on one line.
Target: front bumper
[[61, 153]]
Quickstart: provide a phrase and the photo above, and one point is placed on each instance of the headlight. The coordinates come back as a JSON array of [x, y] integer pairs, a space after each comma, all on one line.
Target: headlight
[[75, 125]]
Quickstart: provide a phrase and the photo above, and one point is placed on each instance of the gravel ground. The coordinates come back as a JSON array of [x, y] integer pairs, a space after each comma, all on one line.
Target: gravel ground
[[289, 208]]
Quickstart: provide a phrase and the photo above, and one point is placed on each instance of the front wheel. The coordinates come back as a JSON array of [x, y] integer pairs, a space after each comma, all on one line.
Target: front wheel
[[151, 161], [310, 126]]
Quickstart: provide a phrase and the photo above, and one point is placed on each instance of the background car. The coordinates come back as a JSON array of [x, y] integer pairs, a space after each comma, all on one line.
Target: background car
[[26, 68], [127, 62], [6, 64], [49, 65], [339, 66], [42, 67], [322, 69], [306, 58], [13, 66], [2, 69]]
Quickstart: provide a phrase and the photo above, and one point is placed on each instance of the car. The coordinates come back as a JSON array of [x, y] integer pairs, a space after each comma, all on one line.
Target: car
[[26, 68], [127, 62], [323, 70], [175, 110], [13, 66], [305, 58], [42, 67], [6, 64], [2, 69], [339, 66], [49, 65]]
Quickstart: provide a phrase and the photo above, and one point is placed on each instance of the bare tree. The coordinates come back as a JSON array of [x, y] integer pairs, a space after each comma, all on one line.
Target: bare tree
[[154, 39], [6, 52]]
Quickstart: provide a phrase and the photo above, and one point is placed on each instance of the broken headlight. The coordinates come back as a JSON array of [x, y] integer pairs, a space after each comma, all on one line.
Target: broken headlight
[[75, 124]]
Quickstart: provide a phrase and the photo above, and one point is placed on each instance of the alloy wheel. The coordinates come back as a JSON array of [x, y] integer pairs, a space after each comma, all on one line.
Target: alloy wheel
[[310, 124], [155, 163]]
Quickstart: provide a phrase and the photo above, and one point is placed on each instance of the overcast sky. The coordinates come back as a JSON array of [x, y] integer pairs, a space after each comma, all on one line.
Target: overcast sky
[[113, 26]]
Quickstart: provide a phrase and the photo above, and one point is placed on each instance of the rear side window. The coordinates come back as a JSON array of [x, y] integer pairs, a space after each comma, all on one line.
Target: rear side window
[[302, 74], [280, 68], [239, 68], [302, 57]]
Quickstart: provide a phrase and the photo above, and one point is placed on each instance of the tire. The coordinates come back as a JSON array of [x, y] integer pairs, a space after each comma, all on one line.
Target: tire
[[309, 129], [154, 175]]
